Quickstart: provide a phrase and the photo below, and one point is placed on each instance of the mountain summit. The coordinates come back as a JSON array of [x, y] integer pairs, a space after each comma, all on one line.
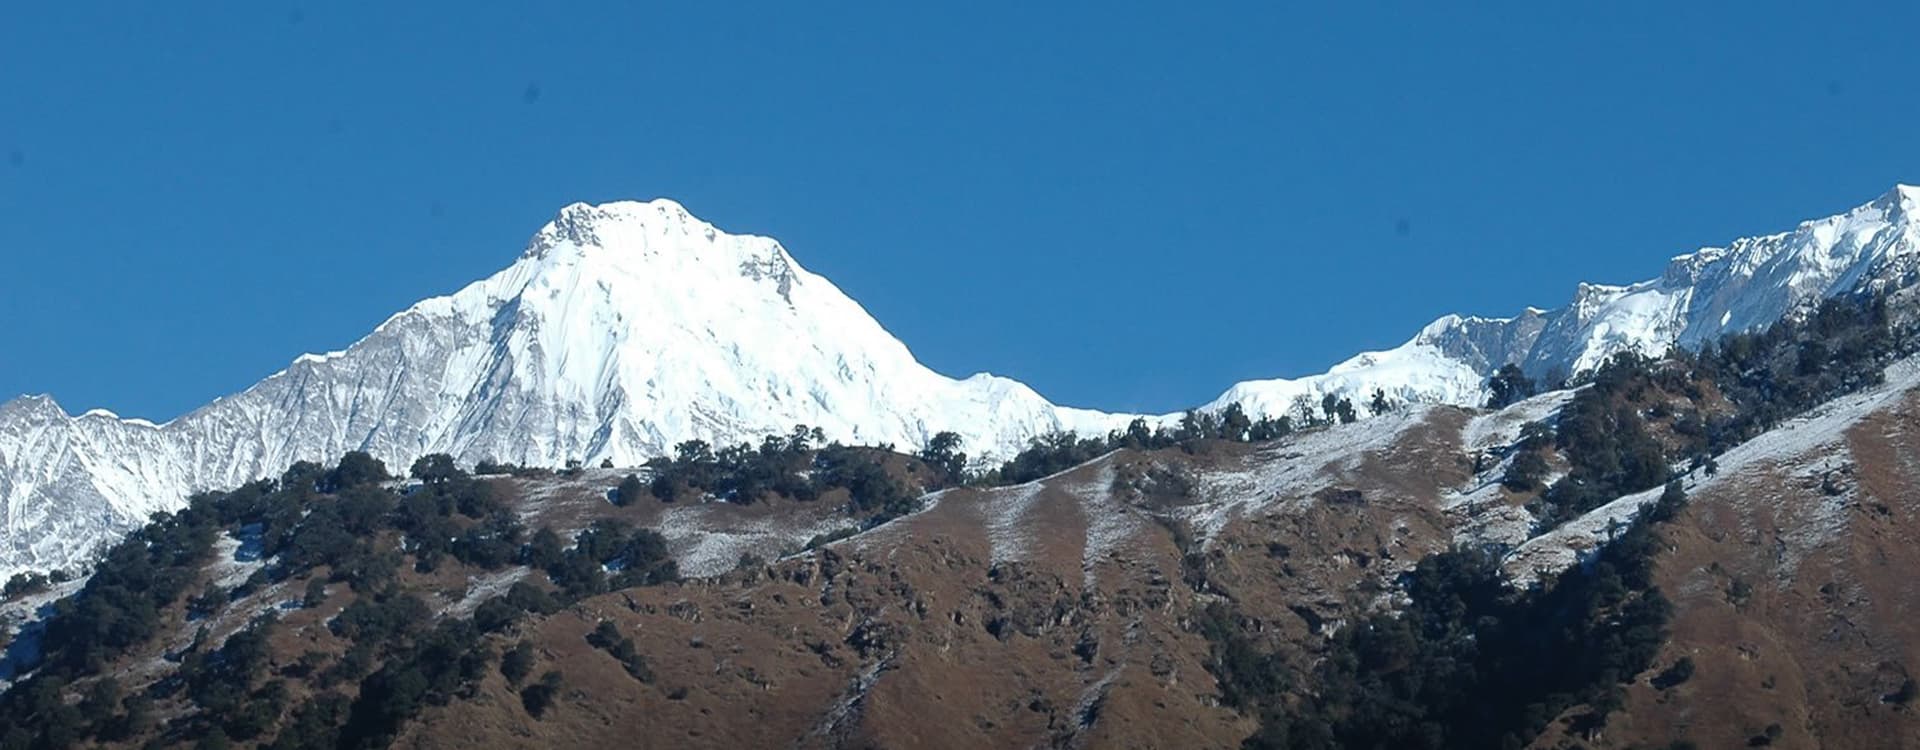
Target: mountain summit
[[627, 327]]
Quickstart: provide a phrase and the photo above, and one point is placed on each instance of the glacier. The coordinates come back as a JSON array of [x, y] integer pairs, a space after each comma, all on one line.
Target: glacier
[[625, 328]]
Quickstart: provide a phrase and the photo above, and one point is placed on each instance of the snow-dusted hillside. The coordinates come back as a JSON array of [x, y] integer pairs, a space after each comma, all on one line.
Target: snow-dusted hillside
[[628, 327]]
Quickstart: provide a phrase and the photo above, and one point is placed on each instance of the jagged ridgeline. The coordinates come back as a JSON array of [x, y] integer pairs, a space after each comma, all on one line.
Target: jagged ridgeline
[[338, 607]]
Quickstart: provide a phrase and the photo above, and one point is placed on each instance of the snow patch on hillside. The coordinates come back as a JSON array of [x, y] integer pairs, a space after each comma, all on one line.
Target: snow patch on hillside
[[1500, 429], [1109, 522], [1482, 511], [1290, 470], [1485, 516], [236, 558], [480, 588], [1009, 534], [705, 544]]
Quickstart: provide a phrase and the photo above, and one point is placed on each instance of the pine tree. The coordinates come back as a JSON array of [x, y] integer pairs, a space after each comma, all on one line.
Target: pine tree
[[1302, 411], [538, 697], [517, 663], [355, 469], [316, 593], [1379, 405], [943, 452], [1234, 424], [1508, 386], [630, 491], [435, 468], [1344, 410]]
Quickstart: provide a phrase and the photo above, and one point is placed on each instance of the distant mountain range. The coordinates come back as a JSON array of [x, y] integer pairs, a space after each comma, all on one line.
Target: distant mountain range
[[628, 327]]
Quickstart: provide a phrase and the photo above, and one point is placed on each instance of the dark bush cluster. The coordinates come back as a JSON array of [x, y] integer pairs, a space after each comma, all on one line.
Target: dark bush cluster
[[1053, 453], [607, 637], [1529, 466], [26, 584], [636, 558], [539, 696], [433, 667], [1606, 441], [741, 473], [798, 467]]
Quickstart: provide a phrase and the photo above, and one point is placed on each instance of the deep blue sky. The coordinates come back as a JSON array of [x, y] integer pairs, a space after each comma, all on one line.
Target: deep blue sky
[[1128, 206]]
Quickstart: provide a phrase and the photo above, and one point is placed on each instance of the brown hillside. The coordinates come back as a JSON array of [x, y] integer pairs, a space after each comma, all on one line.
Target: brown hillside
[[1051, 614]]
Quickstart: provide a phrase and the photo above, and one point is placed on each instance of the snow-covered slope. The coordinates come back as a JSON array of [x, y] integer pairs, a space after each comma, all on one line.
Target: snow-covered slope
[[1701, 296], [628, 327], [620, 331]]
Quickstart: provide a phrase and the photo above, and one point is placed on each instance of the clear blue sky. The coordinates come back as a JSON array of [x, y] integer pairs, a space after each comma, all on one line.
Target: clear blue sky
[[1126, 205]]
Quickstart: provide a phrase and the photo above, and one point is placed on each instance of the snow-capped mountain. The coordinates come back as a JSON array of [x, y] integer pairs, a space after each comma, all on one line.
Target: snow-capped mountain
[[620, 331], [628, 327], [1701, 296]]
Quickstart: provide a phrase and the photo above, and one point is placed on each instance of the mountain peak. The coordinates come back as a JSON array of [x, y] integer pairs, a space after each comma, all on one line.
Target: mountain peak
[[653, 248], [585, 225], [32, 405], [1901, 200]]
